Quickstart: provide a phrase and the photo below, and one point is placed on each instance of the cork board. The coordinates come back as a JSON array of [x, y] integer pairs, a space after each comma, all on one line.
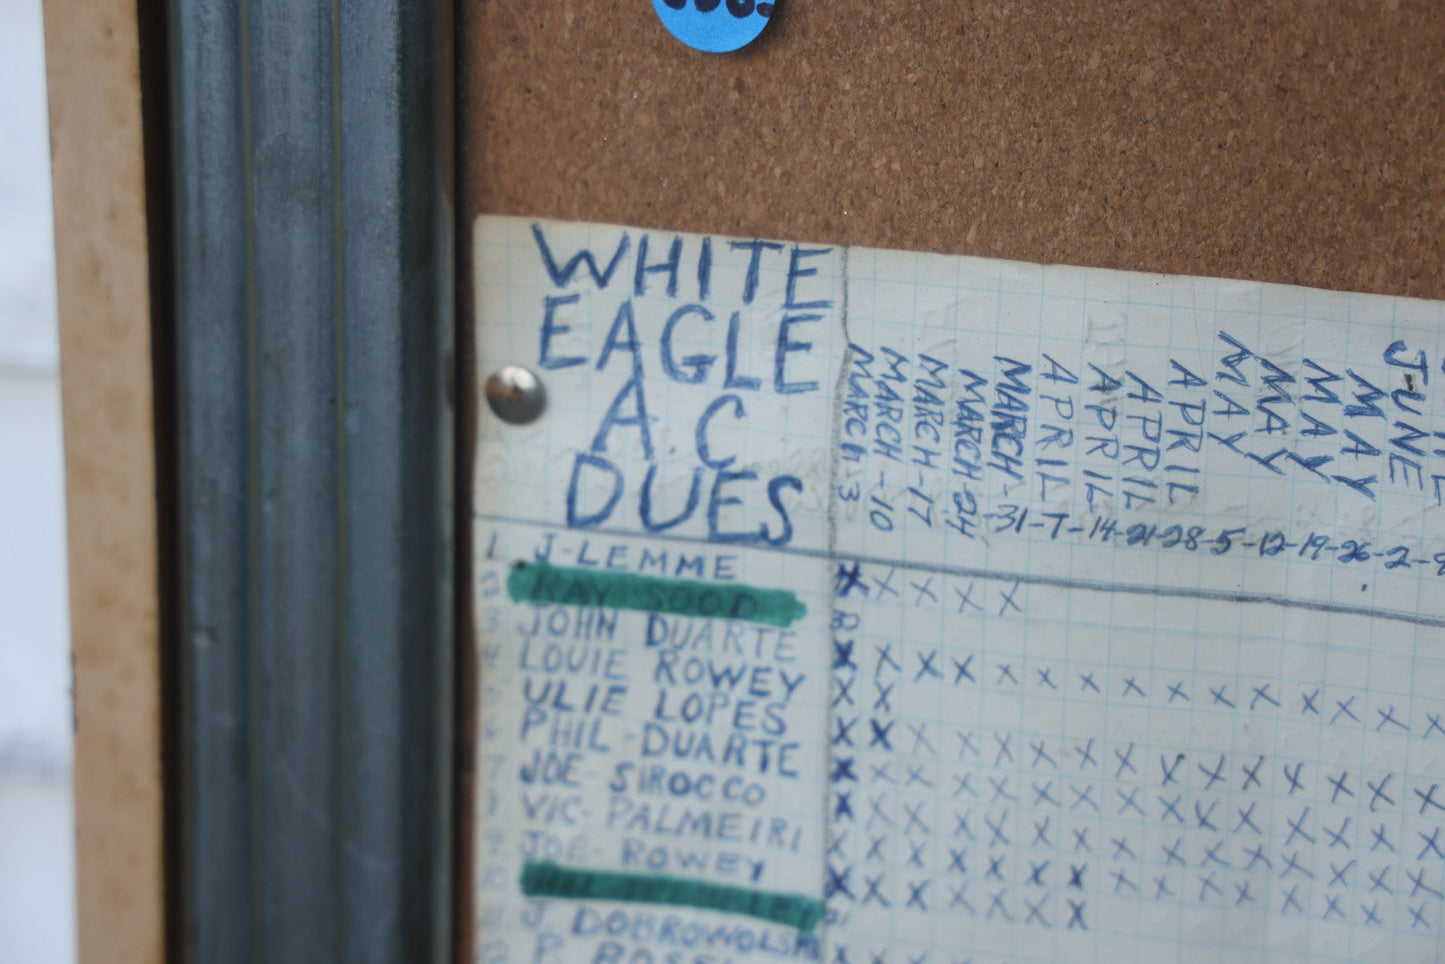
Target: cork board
[[1294, 142], [102, 273]]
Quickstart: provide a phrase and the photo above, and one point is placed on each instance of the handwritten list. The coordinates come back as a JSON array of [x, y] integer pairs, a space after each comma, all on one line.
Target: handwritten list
[[855, 606]]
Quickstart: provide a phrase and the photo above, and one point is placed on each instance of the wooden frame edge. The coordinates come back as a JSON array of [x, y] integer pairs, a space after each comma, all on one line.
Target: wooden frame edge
[[93, 66]]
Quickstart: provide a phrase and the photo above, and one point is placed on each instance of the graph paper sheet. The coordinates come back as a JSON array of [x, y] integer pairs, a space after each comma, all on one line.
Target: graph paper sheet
[[856, 605]]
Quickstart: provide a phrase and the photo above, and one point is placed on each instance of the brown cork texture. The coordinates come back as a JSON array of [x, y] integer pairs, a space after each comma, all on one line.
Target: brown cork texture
[[102, 272], [1299, 142]]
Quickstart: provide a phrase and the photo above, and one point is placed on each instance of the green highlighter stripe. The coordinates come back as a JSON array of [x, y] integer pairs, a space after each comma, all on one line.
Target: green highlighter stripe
[[546, 879], [545, 583]]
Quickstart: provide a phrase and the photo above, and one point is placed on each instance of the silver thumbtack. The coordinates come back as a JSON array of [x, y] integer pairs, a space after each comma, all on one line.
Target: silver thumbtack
[[516, 395]]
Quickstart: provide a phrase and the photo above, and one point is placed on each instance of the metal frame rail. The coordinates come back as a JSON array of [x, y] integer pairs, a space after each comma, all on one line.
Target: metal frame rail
[[310, 156]]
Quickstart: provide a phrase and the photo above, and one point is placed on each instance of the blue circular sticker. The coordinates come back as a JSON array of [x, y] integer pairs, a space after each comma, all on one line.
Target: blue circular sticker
[[716, 26]]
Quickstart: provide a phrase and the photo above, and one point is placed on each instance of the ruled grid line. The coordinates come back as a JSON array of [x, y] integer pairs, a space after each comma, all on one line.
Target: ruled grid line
[[1004, 575]]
